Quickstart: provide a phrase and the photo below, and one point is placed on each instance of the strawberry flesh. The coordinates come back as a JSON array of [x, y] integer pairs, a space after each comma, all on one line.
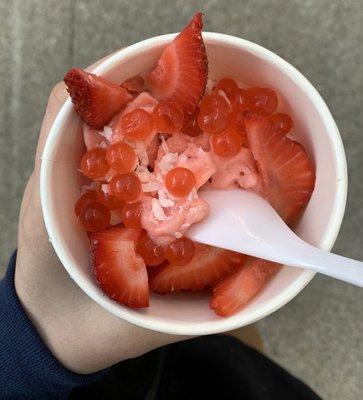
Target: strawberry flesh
[[118, 270], [235, 290], [95, 99], [181, 72], [288, 175], [208, 265]]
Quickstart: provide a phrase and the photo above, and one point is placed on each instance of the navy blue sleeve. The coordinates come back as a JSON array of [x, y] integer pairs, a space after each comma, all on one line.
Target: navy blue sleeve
[[28, 370]]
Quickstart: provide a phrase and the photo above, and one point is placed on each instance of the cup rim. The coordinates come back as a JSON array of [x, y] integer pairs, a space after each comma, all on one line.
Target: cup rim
[[233, 322]]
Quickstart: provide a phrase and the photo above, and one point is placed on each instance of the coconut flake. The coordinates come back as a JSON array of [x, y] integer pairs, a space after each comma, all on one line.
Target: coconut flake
[[178, 235], [164, 145], [107, 133], [141, 152], [167, 162], [105, 188], [158, 210], [110, 174], [89, 187], [152, 186], [164, 199], [143, 173], [170, 157], [193, 195]]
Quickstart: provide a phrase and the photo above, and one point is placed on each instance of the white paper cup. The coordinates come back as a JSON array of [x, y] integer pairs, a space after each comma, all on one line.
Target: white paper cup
[[314, 127]]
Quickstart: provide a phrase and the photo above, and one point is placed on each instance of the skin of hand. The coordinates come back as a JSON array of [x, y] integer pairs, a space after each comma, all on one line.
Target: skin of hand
[[84, 337]]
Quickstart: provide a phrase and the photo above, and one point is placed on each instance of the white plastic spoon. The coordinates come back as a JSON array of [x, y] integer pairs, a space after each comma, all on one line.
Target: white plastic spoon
[[242, 221]]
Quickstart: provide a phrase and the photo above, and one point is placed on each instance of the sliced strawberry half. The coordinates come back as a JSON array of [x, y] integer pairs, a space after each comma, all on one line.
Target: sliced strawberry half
[[119, 271], [235, 290], [288, 175], [208, 265], [181, 72], [95, 99]]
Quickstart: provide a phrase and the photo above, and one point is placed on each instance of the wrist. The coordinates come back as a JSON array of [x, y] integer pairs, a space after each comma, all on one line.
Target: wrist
[[81, 335]]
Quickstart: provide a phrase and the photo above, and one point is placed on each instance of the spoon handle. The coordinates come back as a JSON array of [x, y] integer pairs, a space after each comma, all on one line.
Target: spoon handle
[[303, 255], [250, 225]]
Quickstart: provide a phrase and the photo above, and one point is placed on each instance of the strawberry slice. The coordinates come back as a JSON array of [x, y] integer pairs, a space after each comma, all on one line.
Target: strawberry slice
[[181, 72], [119, 271], [288, 176], [95, 99], [207, 266], [234, 291]]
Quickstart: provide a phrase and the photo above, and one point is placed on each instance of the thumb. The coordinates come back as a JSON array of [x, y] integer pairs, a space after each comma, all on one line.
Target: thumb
[[56, 100]]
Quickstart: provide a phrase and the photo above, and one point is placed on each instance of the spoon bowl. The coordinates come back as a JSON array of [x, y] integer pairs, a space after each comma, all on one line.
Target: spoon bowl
[[250, 225]]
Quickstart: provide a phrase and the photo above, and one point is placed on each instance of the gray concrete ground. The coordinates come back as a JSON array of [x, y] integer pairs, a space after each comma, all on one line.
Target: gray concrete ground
[[317, 336]]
